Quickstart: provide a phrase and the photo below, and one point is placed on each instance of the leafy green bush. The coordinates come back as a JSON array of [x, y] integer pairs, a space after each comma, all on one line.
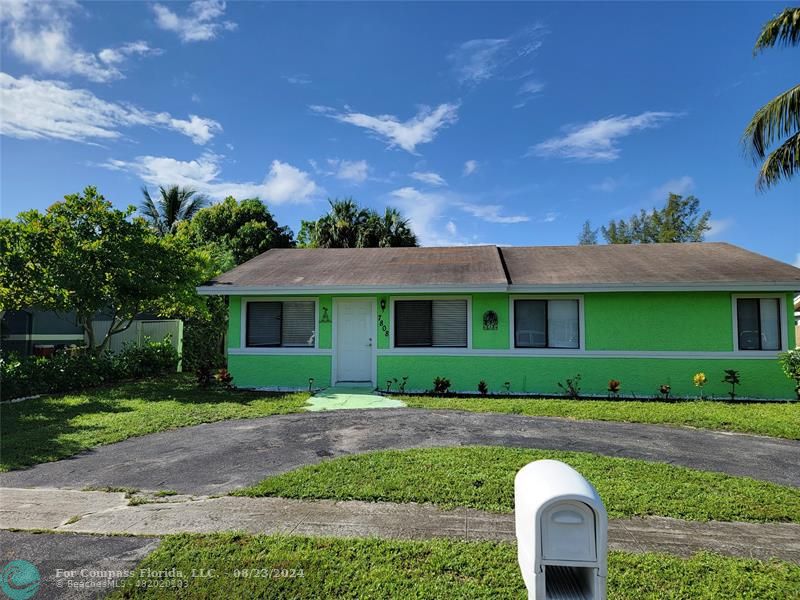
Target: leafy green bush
[[790, 363], [76, 370], [151, 358]]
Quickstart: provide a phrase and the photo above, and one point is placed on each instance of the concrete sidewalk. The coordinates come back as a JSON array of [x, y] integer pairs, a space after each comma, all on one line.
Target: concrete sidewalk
[[106, 513]]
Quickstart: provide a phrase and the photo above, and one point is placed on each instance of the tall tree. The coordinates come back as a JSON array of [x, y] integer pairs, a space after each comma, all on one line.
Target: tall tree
[[348, 225], [84, 255], [587, 236], [237, 231], [778, 121], [175, 204], [679, 221]]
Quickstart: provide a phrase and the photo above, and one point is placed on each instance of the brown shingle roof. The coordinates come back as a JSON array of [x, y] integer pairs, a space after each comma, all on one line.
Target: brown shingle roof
[[696, 263], [491, 267], [370, 267]]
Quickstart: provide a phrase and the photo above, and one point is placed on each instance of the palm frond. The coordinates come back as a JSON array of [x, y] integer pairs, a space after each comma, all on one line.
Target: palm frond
[[783, 28], [149, 209], [782, 163], [778, 118], [192, 204]]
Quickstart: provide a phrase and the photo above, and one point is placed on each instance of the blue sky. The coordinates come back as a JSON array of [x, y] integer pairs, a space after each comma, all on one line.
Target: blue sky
[[484, 123]]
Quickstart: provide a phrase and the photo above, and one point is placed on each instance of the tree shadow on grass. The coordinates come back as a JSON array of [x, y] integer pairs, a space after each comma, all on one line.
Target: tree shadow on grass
[[58, 426]]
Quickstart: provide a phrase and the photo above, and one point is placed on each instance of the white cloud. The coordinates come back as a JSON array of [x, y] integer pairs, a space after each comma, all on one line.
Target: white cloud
[[598, 140], [202, 21], [470, 167], [491, 213], [549, 217], [115, 56], [428, 177], [419, 129], [681, 186], [39, 33], [426, 213], [797, 261], [283, 183], [298, 79], [609, 184], [529, 90], [718, 227], [356, 171], [35, 109], [479, 60]]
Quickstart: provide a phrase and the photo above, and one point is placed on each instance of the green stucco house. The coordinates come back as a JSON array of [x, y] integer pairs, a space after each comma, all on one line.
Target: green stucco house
[[522, 318]]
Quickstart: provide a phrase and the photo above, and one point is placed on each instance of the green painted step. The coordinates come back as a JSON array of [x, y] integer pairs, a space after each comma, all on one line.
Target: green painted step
[[344, 398]]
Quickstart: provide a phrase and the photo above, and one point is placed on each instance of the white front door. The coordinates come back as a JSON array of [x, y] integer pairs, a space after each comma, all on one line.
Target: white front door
[[354, 340]]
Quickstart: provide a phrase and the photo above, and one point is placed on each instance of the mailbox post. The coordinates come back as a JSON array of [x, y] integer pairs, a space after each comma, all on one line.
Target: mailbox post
[[562, 533]]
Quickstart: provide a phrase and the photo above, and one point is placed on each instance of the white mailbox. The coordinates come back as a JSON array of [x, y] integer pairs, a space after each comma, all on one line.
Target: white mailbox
[[562, 533]]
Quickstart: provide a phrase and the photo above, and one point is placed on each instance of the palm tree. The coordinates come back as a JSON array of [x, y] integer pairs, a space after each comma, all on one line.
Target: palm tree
[[176, 204], [780, 117]]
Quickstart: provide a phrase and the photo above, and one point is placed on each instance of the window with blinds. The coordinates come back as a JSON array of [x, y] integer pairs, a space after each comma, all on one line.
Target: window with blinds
[[546, 324], [758, 323], [430, 323], [280, 324]]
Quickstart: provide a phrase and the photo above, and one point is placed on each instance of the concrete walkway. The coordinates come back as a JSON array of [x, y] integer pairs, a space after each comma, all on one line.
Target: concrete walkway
[[101, 513], [216, 458], [350, 398]]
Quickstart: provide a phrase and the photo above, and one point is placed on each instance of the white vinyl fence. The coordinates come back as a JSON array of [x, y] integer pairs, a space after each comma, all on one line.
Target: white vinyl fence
[[139, 331]]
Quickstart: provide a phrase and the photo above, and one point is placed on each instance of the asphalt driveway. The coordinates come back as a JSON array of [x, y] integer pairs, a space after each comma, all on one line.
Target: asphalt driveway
[[216, 458]]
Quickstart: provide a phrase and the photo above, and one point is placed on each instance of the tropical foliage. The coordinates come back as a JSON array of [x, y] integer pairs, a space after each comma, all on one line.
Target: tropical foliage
[[778, 121], [174, 205], [83, 255], [347, 225], [679, 220], [234, 232]]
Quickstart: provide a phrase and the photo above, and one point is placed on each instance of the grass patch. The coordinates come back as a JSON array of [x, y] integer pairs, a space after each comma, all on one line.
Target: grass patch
[[54, 427], [371, 568], [777, 419], [164, 493], [483, 478]]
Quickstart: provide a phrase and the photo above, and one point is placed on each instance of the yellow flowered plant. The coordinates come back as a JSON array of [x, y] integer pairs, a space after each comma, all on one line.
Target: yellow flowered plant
[[700, 380]]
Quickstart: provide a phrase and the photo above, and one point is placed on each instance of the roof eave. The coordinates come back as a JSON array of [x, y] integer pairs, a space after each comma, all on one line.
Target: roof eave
[[726, 286]]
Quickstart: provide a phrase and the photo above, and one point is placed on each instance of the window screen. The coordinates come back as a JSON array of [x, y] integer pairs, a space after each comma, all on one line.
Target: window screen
[[546, 324], [430, 323], [758, 323], [273, 324]]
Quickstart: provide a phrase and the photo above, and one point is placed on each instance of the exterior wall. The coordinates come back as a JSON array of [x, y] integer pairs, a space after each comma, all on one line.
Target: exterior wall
[[642, 339]]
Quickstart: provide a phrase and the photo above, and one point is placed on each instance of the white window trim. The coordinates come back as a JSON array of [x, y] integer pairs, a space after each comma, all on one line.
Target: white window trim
[[581, 349], [336, 302], [782, 309], [245, 349], [428, 349]]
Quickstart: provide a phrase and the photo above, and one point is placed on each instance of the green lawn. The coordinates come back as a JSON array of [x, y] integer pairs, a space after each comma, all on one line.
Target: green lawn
[[778, 419], [483, 478], [54, 427], [371, 568]]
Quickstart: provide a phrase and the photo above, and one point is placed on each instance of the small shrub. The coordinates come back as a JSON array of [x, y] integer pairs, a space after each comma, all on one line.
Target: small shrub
[[790, 363], [224, 378], [401, 386], [483, 388], [147, 360], [441, 385], [732, 379], [613, 387], [571, 387], [664, 389], [205, 375], [700, 381], [506, 387]]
